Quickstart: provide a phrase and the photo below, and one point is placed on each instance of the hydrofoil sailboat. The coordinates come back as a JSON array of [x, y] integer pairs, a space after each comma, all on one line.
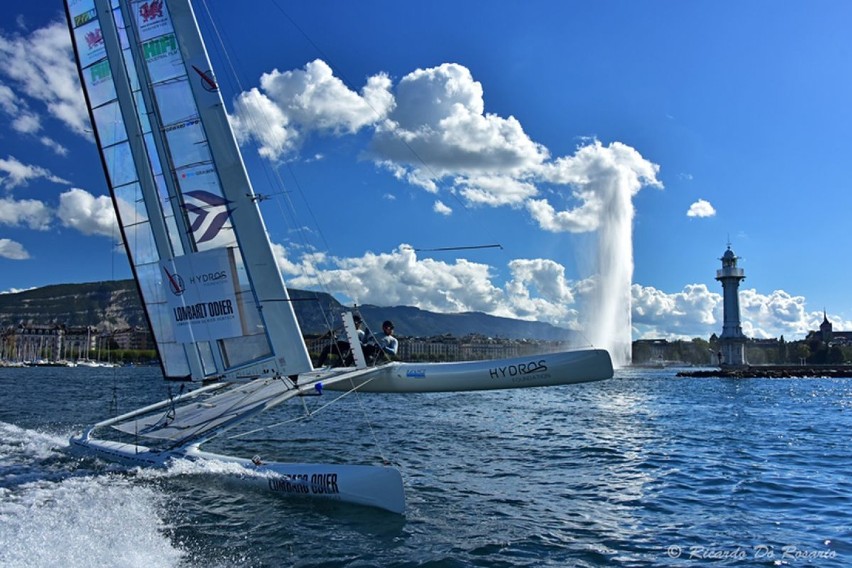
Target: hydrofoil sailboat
[[213, 295]]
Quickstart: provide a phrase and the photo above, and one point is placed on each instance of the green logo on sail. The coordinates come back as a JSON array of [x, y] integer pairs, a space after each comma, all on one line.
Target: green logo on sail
[[159, 47], [100, 71], [83, 18]]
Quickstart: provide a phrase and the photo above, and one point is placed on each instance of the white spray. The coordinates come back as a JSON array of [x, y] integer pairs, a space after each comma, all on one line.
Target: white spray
[[608, 313], [612, 175]]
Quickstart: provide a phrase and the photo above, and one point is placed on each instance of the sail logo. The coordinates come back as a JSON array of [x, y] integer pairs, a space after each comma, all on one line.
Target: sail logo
[[210, 215], [151, 10], [210, 277], [99, 72], [176, 285], [184, 124], [94, 38], [204, 310], [194, 172], [518, 370], [83, 18], [159, 47]]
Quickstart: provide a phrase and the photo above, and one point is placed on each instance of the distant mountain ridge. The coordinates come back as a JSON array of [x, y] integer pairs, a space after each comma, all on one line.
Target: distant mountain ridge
[[112, 304], [115, 304]]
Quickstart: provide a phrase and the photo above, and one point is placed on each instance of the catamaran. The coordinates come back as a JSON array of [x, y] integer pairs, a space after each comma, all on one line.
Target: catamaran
[[200, 254]]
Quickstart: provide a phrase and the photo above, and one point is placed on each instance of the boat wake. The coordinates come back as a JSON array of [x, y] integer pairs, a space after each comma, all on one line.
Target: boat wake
[[187, 467], [53, 512]]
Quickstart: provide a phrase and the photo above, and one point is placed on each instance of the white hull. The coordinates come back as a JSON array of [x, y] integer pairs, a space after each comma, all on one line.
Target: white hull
[[549, 369], [372, 486]]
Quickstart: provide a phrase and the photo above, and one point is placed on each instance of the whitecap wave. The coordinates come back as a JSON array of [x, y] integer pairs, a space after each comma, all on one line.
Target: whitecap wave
[[84, 521], [18, 443]]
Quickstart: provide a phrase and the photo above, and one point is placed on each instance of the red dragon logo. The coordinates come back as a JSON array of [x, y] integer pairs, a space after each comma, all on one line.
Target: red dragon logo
[[94, 38], [151, 10]]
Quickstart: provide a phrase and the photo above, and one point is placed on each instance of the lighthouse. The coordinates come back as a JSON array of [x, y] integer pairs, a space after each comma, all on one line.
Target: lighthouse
[[732, 341]]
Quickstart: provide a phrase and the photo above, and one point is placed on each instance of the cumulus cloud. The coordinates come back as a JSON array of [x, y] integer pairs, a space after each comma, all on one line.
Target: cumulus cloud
[[290, 105], [80, 210], [22, 119], [13, 250], [432, 131], [439, 127], [257, 118], [439, 134], [778, 313], [41, 66], [539, 290], [697, 311], [495, 190], [14, 173], [701, 208], [692, 312], [440, 207], [400, 278], [603, 180], [25, 213]]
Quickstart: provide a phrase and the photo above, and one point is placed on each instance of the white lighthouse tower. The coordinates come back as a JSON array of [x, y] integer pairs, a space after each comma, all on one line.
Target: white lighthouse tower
[[732, 341]]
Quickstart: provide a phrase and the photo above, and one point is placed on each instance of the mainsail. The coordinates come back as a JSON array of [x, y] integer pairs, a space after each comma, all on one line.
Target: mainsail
[[213, 294]]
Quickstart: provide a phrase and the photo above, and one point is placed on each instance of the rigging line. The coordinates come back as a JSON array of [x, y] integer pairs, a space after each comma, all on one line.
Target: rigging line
[[225, 52], [319, 409], [369, 422], [290, 213], [472, 247], [434, 175], [273, 176], [321, 234], [310, 413], [349, 84], [238, 401], [274, 179], [346, 81], [302, 238], [304, 417]]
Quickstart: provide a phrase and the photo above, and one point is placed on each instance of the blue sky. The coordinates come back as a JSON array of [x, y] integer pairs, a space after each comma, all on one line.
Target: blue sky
[[377, 128]]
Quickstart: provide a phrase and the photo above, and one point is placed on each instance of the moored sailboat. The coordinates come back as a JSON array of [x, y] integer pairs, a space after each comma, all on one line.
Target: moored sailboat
[[213, 295]]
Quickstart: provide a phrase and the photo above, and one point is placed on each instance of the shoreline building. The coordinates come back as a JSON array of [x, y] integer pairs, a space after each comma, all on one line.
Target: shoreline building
[[732, 341]]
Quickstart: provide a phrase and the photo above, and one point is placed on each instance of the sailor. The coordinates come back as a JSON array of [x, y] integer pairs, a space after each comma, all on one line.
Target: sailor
[[387, 344]]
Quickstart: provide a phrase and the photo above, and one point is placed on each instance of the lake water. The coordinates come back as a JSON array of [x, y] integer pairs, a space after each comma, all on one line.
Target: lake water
[[643, 470]]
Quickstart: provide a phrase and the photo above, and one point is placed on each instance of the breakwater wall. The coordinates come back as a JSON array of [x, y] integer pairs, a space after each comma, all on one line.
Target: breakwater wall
[[773, 371]]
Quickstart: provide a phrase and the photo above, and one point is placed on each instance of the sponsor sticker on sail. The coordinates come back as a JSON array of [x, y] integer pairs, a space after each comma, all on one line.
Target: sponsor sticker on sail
[[201, 292], [152, 19]]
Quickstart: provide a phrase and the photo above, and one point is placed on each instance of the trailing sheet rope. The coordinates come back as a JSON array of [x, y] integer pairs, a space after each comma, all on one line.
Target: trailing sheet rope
[[309, 413]]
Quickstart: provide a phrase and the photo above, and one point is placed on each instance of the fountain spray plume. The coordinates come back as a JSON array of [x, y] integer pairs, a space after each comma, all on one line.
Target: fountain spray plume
[[615, 174]]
